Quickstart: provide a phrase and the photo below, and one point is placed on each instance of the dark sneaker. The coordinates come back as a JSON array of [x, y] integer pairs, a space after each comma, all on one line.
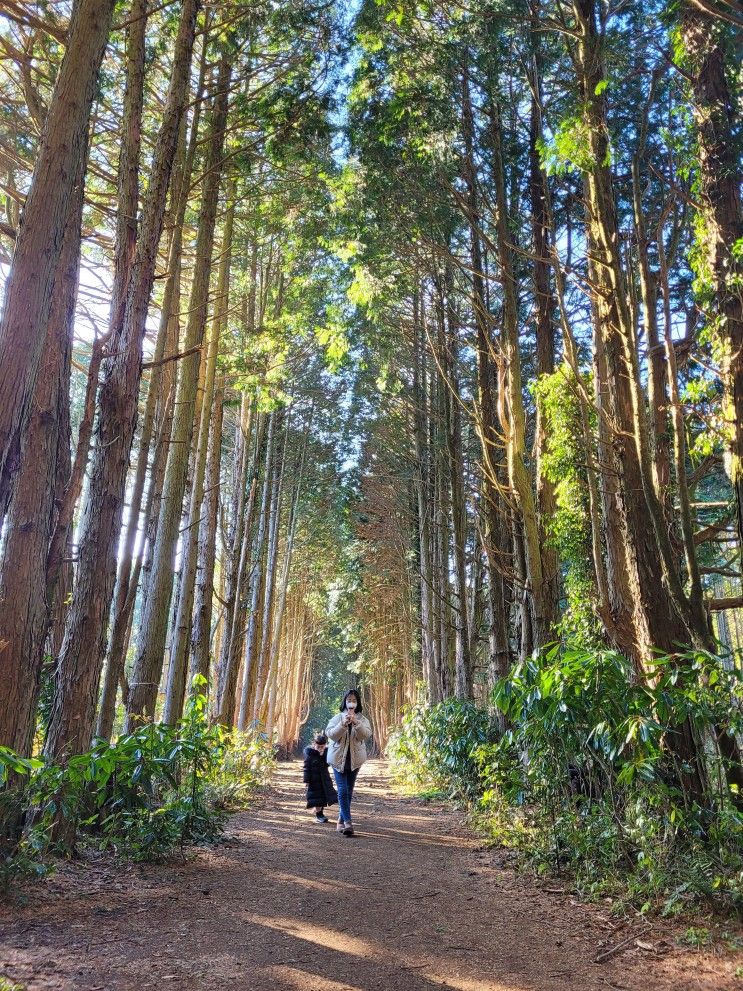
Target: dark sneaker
[[321, 819], [348, 829]]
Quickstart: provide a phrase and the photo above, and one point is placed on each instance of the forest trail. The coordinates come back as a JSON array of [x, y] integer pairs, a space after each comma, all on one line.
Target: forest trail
[[412, 902]]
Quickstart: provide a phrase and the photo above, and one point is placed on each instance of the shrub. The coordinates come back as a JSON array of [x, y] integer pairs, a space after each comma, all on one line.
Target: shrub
[[146, 795], [246, 763], [434, 747], [582, 780]]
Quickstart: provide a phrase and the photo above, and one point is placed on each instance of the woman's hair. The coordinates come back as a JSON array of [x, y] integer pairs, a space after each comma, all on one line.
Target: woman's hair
[[320, 738], [352, 691]]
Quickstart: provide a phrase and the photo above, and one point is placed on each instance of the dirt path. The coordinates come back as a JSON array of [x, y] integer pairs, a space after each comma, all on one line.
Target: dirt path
[[410, 903]]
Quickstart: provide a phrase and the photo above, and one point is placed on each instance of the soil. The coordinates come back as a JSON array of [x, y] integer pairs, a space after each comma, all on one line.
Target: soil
[[411, 902]]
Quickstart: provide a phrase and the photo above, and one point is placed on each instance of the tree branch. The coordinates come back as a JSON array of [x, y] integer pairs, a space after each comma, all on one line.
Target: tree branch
[[16, 12]]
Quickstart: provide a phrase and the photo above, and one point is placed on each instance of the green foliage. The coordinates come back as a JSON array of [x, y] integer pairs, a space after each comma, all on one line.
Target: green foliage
[[6, 985], [332, 337], [434, 748], [144, 796], [569, 529], [586, 759], [11, 764], [245, 764], [583, 781], [696, 937], [570, 147]]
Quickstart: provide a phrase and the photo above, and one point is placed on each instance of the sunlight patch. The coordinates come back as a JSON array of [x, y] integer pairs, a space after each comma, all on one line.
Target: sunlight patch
[[319, 935], [466, 983], [341, 942], [294, 977], [305, 882]]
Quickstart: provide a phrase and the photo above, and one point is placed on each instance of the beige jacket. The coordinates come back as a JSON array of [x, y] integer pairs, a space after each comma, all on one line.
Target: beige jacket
[[340, 739]]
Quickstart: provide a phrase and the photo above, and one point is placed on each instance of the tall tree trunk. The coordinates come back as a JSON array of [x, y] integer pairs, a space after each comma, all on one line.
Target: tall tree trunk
[[449, 356], [70, 497], [424, 503], [128, 573], [619, 613], [492, 513], [79, 666], [657, 373], [249, 646], [49, 207], [182, 630], [442, 542], [25, 600], [546, 307], [671, 612], [260, 711], [278, 625], [200, 647], [238, 536], [661, 615], [513, 417], [717, 118], [148, 662]]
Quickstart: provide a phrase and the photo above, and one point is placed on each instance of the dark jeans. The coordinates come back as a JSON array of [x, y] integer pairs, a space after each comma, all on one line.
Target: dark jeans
[[344, 781]]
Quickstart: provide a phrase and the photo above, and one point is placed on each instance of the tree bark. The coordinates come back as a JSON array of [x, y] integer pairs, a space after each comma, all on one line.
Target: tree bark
[[25, 595], [491, 503], [278, 625], [424, 502], [47, 213], [79, 666], [182, 631], [260, 710], [246, 467], [128, 573], [148, 662], [540, 588], [449, 354], [545, 330], [717, 119], [249, 646], [660, 620], [200, 647]]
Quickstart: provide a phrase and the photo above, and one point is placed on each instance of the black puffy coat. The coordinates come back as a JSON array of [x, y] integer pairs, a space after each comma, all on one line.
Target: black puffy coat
[[320, 790]]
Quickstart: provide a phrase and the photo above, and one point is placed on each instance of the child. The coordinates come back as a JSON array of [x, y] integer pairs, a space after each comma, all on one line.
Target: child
[[320, 790]]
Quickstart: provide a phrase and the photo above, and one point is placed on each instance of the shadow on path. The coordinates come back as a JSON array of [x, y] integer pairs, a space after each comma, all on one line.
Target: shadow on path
[[409, 903]]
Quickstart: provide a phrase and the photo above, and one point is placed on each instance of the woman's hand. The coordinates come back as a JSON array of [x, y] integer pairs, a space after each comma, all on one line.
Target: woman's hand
[[363, 728]]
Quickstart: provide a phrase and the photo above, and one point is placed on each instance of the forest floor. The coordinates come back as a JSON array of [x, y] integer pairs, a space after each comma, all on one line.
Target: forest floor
[[412, 903]]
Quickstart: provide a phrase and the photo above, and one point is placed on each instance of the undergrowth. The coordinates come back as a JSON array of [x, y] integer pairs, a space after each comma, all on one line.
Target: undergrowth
[[582, 781], [144, 796]]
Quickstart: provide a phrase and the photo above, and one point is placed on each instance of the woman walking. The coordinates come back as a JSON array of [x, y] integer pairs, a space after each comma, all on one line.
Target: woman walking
[[348, 733]]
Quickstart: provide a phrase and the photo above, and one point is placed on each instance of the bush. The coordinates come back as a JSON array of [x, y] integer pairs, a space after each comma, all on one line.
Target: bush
[[583, 780], [246, 763], [19, 854], [145, 796], [587, 758], [435, 747]]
